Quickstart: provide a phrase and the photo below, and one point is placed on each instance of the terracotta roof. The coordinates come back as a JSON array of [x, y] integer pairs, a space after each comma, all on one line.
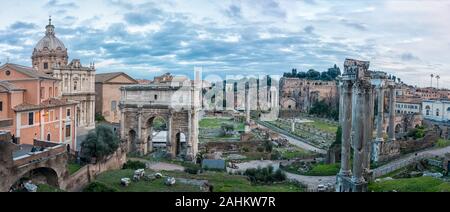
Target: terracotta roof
[[28, 71], [49, 103], [6, 86], [105, 77]]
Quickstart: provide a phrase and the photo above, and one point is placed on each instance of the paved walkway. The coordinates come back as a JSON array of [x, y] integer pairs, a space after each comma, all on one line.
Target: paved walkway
[[296, 142], [159, 166]]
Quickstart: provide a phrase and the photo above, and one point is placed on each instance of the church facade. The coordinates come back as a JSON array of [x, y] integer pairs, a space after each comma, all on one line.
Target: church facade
[[77, 82]]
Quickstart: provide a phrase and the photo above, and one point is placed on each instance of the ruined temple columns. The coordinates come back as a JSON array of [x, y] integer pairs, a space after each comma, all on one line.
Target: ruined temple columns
[[346, 124], [392, 102]]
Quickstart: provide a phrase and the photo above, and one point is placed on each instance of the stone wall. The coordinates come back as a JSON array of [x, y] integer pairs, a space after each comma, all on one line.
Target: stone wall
[[392, 150], [77, 181], [300, 94], [408, 146]]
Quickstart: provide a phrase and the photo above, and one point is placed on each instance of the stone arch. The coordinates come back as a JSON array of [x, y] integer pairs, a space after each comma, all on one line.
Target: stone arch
[[39, 175], [398, 128]]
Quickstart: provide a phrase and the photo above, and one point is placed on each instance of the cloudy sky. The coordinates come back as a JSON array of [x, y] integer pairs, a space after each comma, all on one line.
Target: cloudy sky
[[410, 38]]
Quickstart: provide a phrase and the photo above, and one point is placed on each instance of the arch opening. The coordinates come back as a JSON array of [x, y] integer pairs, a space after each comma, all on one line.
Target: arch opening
[[180, 145], [156, 134], [38, 176]]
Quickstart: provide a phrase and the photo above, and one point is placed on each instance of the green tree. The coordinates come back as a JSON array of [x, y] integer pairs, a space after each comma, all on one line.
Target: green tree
[[313, 74], [100, 142]]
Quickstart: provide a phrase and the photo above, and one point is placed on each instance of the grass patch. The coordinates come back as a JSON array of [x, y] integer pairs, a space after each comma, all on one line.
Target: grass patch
[[112, 180], [287, 154], [48, 188], [443, 143], [324, 170], [419, 184], [216, 123], [323, 126], [221, 181], [73, 167]]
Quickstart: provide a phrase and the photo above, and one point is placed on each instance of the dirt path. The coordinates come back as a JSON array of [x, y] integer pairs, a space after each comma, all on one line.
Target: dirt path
[[159, 166]]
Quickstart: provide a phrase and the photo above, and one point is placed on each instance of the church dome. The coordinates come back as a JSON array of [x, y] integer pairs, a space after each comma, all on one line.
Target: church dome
[[50, 42], [49, 52]]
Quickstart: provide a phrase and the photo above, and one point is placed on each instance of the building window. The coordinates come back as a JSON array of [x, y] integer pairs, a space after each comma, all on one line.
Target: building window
[[50, 92], [113, 105], [46, 66], [31, 118], [156, 97], [8, 73], [1, 106], [68, 128], [48, 137], [68, 113]]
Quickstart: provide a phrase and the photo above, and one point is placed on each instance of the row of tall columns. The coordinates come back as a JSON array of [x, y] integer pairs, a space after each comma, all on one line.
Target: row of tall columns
[[357, 127], [376, 149]]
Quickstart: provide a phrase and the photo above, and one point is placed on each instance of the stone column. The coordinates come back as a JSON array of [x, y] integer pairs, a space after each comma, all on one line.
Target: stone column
[[169, 135], [380, 120], [139, 132], [368, 129], [380, 116], [293, 125], [122, 123], [93, 113], [247, 109], [360, 106], [346, 125], [392, 102]]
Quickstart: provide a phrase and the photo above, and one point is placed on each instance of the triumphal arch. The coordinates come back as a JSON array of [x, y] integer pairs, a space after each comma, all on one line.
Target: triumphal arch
[[170, 99]]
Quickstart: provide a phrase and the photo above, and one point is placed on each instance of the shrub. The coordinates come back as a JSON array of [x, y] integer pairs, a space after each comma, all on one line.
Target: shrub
[[417, 133], [265, 175], [134, 165], [260, 149], [99, 187], [192, 169], [268, 146], [443, 143]]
